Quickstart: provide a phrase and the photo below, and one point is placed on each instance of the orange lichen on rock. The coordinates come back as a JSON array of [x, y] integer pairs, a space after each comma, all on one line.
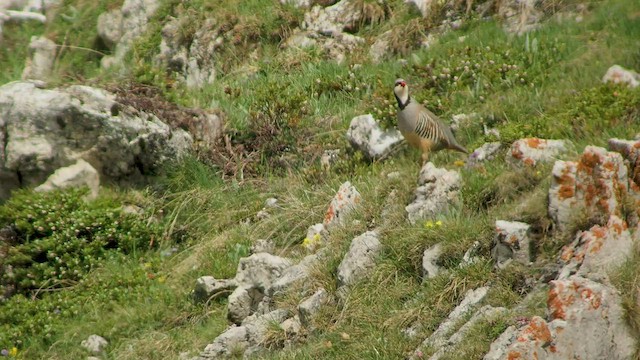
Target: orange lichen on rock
[[555, 303], [535, 143]]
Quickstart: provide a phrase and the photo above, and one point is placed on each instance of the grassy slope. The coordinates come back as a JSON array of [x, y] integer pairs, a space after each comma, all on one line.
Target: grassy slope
[[154, 319]]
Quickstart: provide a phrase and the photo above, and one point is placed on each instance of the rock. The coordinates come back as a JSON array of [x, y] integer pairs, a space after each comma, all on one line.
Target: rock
[[471, 299], [531, 151], [463, 120], [43, 130], [339, 45], [619, 75], [95, 344], [291, 326], [271, 203], [208, 288], [342, 16], [42, 55], [263, 246], [341, 205], [484, 153], [587, 322], [485, 313], [195, 59], [310, 306], [295, 274], [365, 135], [297, 3], [437, 189], [262, 215], [596, 185], [360, 259], [424, 6], [119, 28], [232, 340], [471, 255], [243, 301], [511, 242], [520, 16], [315, 237], [630, 151], [79, 174], [430, 257], [380, 48], [260, 270], [594, 252]]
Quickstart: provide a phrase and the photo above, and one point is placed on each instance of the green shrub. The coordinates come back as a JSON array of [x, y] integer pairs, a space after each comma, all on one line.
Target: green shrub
[[59, 237]]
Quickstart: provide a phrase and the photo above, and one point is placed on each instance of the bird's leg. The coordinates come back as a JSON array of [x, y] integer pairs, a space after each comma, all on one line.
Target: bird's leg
[[424, 157]]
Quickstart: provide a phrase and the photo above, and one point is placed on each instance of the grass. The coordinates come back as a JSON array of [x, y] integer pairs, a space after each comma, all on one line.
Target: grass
[[279, 119]]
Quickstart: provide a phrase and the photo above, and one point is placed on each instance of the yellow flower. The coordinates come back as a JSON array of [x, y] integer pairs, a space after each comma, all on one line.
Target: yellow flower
[[306, 242], [316, 238], [162, 279], [439, 223], [428, 224], [459, 163], [147, 265], [13, 352]]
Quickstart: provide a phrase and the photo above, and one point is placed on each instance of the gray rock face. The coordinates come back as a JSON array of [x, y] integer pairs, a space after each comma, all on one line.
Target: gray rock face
[[484, 153], [437, 189], [263, 246], [208, 287], [260, 270], [380, 48], [243, 302], [42, 54], [596, 185], [310, 306], [95, 344], [120, 27], [346, 199], [594, 252], [511, 242], [431, 255], [295, 274], [630, 151], [360, 258], [365, 135], [531, 151], [43, 130], [619, 75], [586, 323], [79, 174]]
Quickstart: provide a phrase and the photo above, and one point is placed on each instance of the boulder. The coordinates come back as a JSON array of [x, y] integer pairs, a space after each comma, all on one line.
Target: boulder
[[484, 153], [630, 151], [437, 189], [365, 135], [531, 151], [42, 55], [311, 305], [95, 344], [43, 130], [511, 242], [208, 288], [619, 75], [119, 28], [594, 252], [79, 174], [430, 257], [345, 200], [586, 322], [360, 259], [296, 273], [260, 270], [596, 185], [243, 301], [342, 16], [263, 246]]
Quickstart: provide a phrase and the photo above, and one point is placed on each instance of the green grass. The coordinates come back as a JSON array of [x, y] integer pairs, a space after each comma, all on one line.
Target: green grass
[[295, 105]]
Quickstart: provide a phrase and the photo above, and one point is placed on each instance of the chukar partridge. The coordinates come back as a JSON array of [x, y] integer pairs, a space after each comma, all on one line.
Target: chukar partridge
[[420, 127]]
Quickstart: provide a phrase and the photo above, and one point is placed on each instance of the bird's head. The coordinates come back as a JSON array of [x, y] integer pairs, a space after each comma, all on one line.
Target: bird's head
[[401, 91]]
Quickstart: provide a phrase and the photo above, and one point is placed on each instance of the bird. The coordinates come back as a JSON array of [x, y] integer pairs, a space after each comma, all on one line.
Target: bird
[[420, 127]]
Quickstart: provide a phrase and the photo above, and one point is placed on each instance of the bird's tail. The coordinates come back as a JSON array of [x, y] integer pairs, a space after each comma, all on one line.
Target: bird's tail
[[458, 147]]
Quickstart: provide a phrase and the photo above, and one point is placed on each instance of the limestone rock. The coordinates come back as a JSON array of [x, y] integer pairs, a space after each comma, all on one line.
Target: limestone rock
[[360, 258], [380, 48], [43, 130], [437, 189], [342, 16], [297, 3], [365, 135], [243, 301], [431, 255], [511, 242], [587, 322], [208, 287], [263, 246], [595, 251], [95, 344], [630, 151], [79, 174], [531, 151], [619, 75], [484, 153], [291, 326], [260, 270], [42, 55], [341, 205], [311, 305], [121, 27], [315, 237], [596, 185], [296, 273]]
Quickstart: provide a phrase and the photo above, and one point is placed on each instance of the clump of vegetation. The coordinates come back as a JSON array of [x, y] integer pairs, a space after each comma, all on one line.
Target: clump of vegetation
[[55, 239]]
